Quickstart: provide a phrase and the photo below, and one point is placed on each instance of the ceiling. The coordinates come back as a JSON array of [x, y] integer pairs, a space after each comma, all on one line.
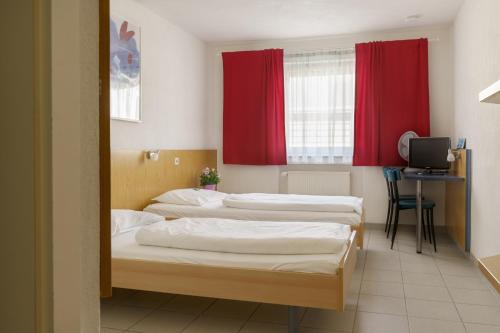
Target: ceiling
[[234, 20]]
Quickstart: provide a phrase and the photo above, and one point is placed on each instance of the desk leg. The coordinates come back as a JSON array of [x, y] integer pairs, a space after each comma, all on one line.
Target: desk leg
[[419, 216]]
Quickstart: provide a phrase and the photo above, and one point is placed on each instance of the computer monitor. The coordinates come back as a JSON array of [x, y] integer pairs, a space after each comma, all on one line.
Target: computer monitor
[[429, 153]]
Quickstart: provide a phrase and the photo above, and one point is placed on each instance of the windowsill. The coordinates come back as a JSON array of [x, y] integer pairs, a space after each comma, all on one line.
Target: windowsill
[[321, 164]]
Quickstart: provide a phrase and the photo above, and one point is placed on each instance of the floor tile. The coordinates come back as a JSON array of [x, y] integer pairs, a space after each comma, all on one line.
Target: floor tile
[[162, 321], [188, 304], [380, 323], [208, 324], [479, 328], [329, 319], [232, 309], [351, 302], [432, 309], [316, 330], [389, 263], [109, 330], [382, 289], [428, 268], [448, 251], [425, 325], [122, 317], [469, 296], [355, 286], [422, 259], [464, 282], [457, 267], [479, 314], [381, 304], [272, 313], [429, 293], [147, 299], [412, 249], [258, 327], [423, 279], [382, 276]]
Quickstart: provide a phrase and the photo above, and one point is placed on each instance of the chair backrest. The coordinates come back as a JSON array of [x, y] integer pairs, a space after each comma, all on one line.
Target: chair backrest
[[385, 171], [393, 176]]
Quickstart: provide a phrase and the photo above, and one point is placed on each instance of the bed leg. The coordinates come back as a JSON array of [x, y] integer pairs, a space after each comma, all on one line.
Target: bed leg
[[293, 319]]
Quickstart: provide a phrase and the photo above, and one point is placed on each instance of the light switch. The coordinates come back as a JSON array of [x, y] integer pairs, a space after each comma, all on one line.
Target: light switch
[[177, 160]]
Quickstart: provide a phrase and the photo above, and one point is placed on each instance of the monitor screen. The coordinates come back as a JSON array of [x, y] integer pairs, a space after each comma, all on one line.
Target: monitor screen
[[429, 153]]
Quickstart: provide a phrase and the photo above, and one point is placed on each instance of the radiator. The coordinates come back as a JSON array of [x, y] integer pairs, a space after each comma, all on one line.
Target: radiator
[[319, 182]]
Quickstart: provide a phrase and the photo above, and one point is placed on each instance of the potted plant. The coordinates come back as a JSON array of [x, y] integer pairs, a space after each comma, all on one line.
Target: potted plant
[[209, 179]]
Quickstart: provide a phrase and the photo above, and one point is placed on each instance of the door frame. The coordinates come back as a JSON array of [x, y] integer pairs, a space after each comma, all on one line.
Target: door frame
[[43, 166], [104, 150]]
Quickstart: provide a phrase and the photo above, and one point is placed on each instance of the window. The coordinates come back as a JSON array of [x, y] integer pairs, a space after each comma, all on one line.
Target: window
[[319, 107]]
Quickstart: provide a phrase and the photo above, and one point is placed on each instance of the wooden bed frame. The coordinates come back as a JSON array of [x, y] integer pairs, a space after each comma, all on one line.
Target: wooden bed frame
[[135, 180], [326, 291]]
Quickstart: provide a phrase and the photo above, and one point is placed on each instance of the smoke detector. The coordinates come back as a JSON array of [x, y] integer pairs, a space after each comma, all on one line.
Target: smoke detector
[[413, 18]]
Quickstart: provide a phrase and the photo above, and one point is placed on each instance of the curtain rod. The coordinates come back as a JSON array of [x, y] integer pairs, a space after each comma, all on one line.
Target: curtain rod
[[337, 49]]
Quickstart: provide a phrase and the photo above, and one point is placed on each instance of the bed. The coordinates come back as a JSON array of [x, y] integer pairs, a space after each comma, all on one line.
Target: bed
[[219, 209], [296, 281], [308, 280]]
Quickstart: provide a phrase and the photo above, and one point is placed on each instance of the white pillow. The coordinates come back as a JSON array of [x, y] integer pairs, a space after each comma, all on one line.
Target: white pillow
[[123, 220], [190, 196]]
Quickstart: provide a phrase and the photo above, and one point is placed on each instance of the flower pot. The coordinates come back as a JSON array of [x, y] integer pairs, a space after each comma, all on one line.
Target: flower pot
[[212, 187]]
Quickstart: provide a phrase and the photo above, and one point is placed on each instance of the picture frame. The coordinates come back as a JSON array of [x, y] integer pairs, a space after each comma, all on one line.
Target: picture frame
[[461, 143], [125, 70]]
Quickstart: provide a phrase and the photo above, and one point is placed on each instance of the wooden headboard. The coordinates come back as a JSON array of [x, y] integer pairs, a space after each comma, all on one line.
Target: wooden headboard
[[135, 179]]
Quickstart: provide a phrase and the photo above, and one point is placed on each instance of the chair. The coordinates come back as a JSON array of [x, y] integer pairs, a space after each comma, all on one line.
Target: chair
[[393, 176], [391, 201]]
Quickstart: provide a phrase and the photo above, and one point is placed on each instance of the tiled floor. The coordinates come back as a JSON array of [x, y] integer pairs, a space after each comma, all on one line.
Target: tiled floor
[[391, 291]]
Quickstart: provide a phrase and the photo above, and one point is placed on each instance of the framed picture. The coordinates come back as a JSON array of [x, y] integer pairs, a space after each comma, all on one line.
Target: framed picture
[[461, 143], [125, 70]]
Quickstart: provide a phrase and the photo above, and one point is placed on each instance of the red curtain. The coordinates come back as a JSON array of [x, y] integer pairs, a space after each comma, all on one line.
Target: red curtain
[[392, 97], [254, 108]]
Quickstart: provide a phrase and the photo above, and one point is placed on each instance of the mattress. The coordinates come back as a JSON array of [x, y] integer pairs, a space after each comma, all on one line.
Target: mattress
[[124, 246], [217, 209], [295, 202]]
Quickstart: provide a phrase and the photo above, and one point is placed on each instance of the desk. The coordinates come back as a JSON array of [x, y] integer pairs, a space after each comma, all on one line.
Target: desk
[[420, 177]]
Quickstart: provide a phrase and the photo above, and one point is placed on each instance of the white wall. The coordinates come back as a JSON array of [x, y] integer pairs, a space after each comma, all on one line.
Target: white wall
[[366, 181], [75, 165], [477, 65], [174, 112]]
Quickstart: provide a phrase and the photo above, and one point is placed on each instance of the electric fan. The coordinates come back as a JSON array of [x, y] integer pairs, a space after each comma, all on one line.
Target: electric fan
[[404, 144]]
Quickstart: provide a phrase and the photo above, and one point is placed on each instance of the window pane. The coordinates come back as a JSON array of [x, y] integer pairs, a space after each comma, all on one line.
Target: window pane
[[319, 106]]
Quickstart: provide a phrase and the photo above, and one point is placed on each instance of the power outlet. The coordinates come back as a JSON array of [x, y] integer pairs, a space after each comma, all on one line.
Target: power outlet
[[177, 160]]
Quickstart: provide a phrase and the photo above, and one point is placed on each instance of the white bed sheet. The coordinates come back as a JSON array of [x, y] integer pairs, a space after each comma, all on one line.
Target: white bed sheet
[[295, 202], [124, 246], [217, 209]]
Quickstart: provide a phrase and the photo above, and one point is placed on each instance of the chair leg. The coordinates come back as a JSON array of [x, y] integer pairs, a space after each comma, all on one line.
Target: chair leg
[[389, 204], [396, 220], [429, 225], [423, 225], [391, 217], [433, 231]]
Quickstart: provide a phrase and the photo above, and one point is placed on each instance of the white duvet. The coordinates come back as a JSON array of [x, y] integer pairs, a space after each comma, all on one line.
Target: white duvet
[[252, 237], [297, 202]]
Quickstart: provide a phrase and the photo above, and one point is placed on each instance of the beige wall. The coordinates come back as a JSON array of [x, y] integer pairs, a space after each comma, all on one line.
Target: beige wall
[[174, 112], [75, 165], [17, 201], [366, 181], [477, 65]]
